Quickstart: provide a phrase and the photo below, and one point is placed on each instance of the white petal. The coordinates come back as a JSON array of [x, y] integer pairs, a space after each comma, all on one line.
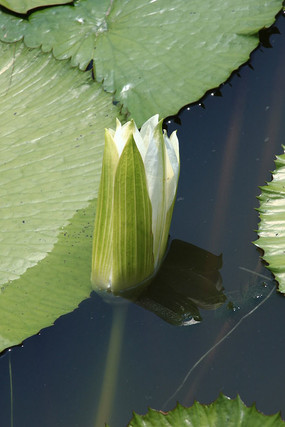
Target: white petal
[[147, 129], [122, 134], [175, 144], [172, 167]]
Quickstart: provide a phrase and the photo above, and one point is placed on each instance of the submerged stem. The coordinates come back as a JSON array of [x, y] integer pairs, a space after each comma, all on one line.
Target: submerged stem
[[11, 393]]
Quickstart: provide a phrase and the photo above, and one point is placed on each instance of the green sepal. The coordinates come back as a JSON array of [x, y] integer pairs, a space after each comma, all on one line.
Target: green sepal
[[132, 223], [103, 230]]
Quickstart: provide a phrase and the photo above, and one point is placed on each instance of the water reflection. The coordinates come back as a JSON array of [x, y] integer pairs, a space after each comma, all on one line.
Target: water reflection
[[188, 280]]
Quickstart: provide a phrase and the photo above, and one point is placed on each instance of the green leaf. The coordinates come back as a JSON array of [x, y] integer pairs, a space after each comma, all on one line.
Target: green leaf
[[68, 31], [132, 229], [271, 229], [22, 6], [52, 120], [55, 286], [223, 412], [156, 56]]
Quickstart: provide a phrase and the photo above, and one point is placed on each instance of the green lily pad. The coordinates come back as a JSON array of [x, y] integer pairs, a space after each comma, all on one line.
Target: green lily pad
[[271, 229], [52, 121], [223, 412], [55, 286], [155, 56], [22, 6]]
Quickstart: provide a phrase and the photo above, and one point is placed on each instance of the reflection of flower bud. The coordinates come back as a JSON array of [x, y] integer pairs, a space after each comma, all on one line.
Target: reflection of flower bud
[[135, 203]]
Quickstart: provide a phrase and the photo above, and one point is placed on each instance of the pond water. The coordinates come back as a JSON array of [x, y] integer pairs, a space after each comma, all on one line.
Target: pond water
[[228, 146]]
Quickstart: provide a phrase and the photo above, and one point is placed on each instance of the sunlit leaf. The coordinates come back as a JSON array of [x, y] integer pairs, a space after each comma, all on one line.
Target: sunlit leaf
[[223, 412], [55, 286], [52, 121], [271, 229], [156, 56]]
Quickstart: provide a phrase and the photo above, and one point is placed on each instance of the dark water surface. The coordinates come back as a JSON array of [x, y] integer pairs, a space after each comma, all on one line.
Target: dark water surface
[[227, 151]]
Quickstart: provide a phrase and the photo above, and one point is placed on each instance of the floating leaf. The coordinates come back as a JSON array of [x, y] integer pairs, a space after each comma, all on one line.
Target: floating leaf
[[55, 286], [156, 56], [22, 6], [271, 229], [223, 412], [52, 121]]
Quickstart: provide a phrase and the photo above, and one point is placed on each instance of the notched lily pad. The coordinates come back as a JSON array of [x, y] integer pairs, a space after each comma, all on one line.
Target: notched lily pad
[[52, 121], [22, 6], [55, 286], [223, 412], [156, 56], [271, 229]]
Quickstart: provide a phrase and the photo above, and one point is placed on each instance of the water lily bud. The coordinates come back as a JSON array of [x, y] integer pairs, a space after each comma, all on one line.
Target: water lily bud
[[136, 197]]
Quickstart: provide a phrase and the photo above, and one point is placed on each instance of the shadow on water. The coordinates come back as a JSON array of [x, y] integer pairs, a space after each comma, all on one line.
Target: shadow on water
[[188, 279]]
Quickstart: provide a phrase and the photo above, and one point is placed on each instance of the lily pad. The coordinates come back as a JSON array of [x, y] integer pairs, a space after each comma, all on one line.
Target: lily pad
[[154, 56], [224, 412], [52, 121], [271, 229], [55, 286], [22, 6]]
